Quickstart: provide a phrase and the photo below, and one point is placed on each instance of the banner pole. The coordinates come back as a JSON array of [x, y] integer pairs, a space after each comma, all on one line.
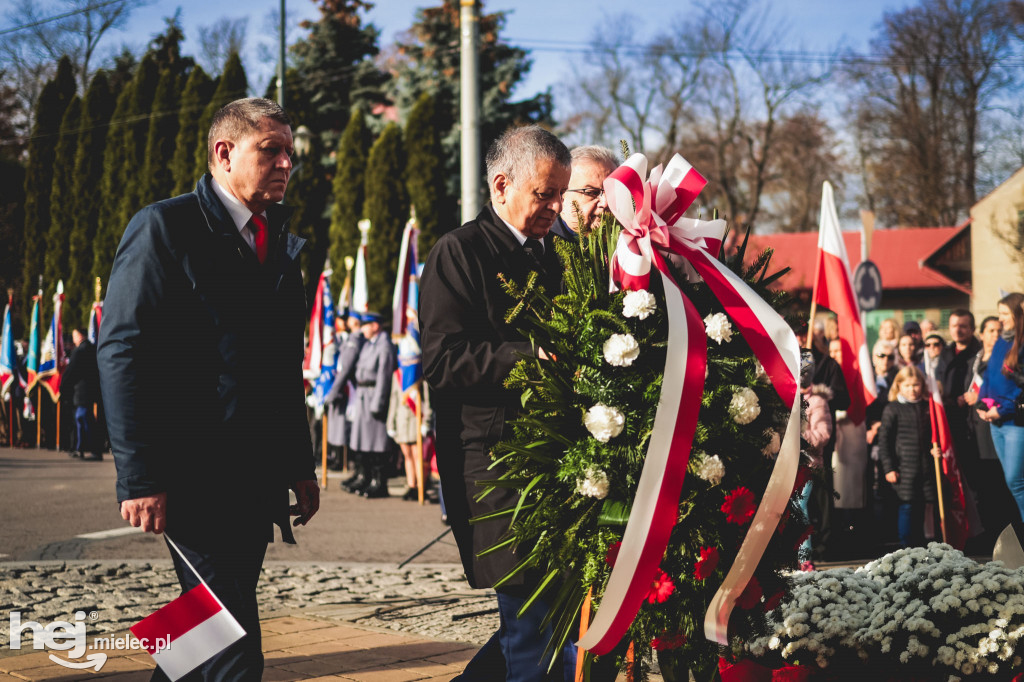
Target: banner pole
[[10, 414], [419, 447], [323, 458], [938, 493], [58, 424], [39, 417], [810, 325]]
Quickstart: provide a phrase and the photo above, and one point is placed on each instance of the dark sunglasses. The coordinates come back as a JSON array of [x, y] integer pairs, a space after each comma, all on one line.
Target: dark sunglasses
[[883, 355]]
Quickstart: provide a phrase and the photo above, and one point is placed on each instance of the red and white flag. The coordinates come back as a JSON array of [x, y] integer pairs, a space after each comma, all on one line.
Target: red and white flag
[[189, 631], [833, 289], [958, 527]]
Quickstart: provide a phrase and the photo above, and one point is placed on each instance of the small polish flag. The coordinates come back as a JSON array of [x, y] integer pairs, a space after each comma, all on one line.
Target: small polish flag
[[189, 631], [976, 383]]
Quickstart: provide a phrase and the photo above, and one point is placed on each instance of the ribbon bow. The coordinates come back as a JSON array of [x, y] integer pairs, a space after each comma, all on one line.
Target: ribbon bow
[[654, 230]]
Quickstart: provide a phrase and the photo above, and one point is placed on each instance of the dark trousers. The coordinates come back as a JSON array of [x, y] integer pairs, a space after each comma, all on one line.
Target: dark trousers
[[515, 653], [85, 436], [231, 573]]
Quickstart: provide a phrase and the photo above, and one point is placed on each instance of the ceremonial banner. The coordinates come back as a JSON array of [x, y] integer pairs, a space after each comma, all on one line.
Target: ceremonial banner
[[321, 355], [95, 317], [8, 357], [359, 291], [33, 342], [407, 259], [52, 358], [833, 289], [957, 524]]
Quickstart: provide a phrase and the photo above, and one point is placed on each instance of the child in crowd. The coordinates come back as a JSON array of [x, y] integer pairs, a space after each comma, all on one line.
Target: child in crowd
[[817, 432], [906, 448]]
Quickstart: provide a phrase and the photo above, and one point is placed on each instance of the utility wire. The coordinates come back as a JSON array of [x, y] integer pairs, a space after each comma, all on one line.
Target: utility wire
[[57, 17]]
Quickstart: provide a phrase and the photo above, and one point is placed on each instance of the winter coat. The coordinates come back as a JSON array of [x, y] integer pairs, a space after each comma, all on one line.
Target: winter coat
[[402, 424], [905, 443], [819, 421], [997, 385], [200, 361], [468, 351], [81, 377], [369, 408]]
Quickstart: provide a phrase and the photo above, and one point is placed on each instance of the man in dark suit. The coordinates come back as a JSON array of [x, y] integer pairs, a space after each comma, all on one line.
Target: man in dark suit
[[83, 379], [469, 350], [200, 357], [584, 200]]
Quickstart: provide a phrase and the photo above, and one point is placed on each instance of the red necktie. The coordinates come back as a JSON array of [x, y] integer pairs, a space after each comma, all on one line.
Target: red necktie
[[260, 237]]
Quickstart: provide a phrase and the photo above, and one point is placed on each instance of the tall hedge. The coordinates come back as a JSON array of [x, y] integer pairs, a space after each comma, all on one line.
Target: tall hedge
[[157, 178], [387, 209], [96, 112], [50, 107], [194, 99], [425, 175], [349, 194], [63, 201], [109, 227], [231, 85], [133, 161]]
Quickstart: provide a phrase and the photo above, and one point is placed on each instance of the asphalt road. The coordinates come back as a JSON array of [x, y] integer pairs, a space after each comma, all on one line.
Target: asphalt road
[[48, 499]]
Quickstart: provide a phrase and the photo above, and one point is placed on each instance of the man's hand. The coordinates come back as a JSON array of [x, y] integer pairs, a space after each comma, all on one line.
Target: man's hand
[[148, 513], [893, 477], [307, 494]]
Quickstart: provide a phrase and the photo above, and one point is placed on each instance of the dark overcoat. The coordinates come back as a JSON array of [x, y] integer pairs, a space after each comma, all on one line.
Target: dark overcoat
[[468, 352], [904, 445], [369, 413], [81, 377], [200, 358]]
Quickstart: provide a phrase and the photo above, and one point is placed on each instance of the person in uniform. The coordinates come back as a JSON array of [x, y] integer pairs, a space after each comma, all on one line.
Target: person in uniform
[[368, 438], [349, 340]]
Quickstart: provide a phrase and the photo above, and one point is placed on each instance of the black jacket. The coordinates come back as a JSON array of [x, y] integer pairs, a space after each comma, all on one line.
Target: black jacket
[[200, 359], [81, 376], [904, 445], [468, 352], [562, 229]]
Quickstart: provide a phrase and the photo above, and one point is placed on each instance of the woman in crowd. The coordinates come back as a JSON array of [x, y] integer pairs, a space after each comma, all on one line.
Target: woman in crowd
[[906, 451], [817, 434], [997, 398], [888, 330], [907, 347]]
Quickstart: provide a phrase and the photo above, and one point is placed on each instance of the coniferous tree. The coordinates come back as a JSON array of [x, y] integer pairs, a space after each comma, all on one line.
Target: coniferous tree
[[349, 193], [307, 194], [133, 161], [63, 202], [425, 179], [387, 209], [231, 85], [53, 102], [109, 227], [157, 180], [96, 112], [194, 99]]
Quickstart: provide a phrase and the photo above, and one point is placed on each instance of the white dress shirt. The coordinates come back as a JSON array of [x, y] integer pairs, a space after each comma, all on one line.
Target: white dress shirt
[[239, 213]]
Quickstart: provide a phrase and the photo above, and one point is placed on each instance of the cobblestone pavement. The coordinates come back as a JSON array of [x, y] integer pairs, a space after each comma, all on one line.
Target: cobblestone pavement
[[428, 600]]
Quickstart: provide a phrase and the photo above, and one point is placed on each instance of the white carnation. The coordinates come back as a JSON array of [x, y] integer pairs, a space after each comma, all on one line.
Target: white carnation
[[639, 304], [711, 470], [718, 328], [595, 484], [621, 350], [744, 407], [603, 422]]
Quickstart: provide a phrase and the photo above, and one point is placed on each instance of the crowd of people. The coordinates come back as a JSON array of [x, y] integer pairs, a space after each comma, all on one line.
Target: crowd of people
[[881, 489]]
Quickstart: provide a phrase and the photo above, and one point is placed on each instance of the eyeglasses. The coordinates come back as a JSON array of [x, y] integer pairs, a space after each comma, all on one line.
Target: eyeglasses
[[591, 192], [883, 356]]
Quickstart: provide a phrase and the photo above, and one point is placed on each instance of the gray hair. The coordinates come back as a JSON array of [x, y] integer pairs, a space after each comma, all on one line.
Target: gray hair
[[596, 154], [516, 152], [235, 120], [882, 346]]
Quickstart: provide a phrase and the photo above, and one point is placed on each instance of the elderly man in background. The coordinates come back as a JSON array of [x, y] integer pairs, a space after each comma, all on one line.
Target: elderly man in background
[[200, 358], [584, 200]]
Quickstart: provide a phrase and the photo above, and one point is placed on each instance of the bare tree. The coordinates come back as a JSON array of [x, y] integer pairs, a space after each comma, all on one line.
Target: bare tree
[[220, 39]]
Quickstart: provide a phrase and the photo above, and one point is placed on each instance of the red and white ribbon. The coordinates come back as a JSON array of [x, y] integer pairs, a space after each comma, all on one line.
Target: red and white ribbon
[[653, 229]]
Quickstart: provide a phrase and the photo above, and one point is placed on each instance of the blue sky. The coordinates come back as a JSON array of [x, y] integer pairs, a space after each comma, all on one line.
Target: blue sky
[[817, 25]]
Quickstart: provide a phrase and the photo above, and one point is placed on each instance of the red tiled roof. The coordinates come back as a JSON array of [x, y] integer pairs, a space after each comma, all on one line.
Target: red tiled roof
[[898, 252]]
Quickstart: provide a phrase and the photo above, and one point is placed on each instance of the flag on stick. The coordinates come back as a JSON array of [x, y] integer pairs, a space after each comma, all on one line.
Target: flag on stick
[[957, 525], [833, 289], [322, 359], [53, 360], [96, 314], [360, 293], [33, 343], [8, 357], [407, 259], [189, 631]]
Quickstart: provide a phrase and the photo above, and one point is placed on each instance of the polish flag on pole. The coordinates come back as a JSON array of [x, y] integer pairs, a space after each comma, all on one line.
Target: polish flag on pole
[[189, 631], [833, 289]]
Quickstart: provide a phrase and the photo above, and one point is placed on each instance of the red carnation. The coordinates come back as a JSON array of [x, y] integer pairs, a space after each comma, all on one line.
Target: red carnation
[[707, 563], [739, 506], [751, 596], [661, 589], [613, 553], [666, 641], [773, 601]]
